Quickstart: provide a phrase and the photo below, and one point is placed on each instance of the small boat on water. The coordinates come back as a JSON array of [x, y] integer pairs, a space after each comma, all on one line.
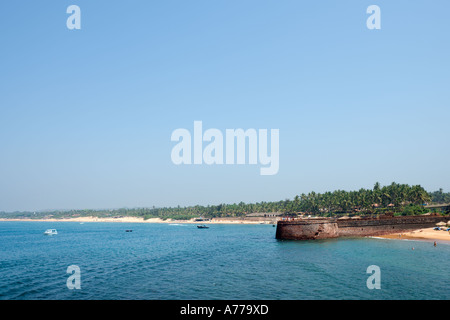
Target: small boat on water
[[202, 226], [129, 230], [50, 232]]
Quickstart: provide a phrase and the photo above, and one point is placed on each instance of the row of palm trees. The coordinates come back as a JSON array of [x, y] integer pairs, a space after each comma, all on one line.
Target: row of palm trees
[[394, 197]]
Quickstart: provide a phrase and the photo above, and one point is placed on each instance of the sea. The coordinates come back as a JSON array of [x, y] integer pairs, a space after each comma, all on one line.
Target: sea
[[224, 262]]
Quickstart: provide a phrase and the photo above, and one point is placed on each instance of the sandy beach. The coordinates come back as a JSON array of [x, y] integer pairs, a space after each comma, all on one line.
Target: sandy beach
[[153, 220], [422, 234]]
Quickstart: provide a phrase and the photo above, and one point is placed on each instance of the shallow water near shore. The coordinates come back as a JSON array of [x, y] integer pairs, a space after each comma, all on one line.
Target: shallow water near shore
[[226, 262]]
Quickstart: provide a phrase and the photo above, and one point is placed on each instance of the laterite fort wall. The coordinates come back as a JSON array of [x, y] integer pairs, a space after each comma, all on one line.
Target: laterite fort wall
[[307, 229]]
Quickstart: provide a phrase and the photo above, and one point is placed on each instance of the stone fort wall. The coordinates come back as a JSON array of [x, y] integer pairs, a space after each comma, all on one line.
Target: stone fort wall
[[332, 228]]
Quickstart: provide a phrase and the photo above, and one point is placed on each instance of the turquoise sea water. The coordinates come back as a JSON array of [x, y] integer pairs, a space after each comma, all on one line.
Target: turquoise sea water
[[226, 262]]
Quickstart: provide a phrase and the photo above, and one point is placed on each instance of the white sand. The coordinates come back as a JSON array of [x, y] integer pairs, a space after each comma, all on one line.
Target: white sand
[[141, 220]]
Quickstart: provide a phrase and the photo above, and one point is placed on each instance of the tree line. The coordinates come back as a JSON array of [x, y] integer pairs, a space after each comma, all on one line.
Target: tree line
[[395, 198]]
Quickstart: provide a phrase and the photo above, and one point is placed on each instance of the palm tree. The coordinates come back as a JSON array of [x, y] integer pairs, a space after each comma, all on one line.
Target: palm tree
[[418, 195]]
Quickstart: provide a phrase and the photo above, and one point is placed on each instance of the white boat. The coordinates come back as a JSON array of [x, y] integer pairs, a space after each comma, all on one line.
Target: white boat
[[50, 232]]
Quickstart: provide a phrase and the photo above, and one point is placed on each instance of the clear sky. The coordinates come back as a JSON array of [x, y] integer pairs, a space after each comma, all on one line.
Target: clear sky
[[86, 115]]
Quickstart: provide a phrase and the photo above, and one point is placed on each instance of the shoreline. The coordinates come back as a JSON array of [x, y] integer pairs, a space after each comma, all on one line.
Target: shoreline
[[421, 234], [141, 220]]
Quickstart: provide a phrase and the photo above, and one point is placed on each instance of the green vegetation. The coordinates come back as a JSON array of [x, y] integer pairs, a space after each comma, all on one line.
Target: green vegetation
[[412, 209], [399, 199], [440, 196]]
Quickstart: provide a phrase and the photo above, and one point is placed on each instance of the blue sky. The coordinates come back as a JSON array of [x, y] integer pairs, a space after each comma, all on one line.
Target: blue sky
[[86, 115]]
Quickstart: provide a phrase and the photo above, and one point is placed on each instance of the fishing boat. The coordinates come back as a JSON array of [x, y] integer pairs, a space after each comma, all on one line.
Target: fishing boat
[[202, 226], [50, 232]]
